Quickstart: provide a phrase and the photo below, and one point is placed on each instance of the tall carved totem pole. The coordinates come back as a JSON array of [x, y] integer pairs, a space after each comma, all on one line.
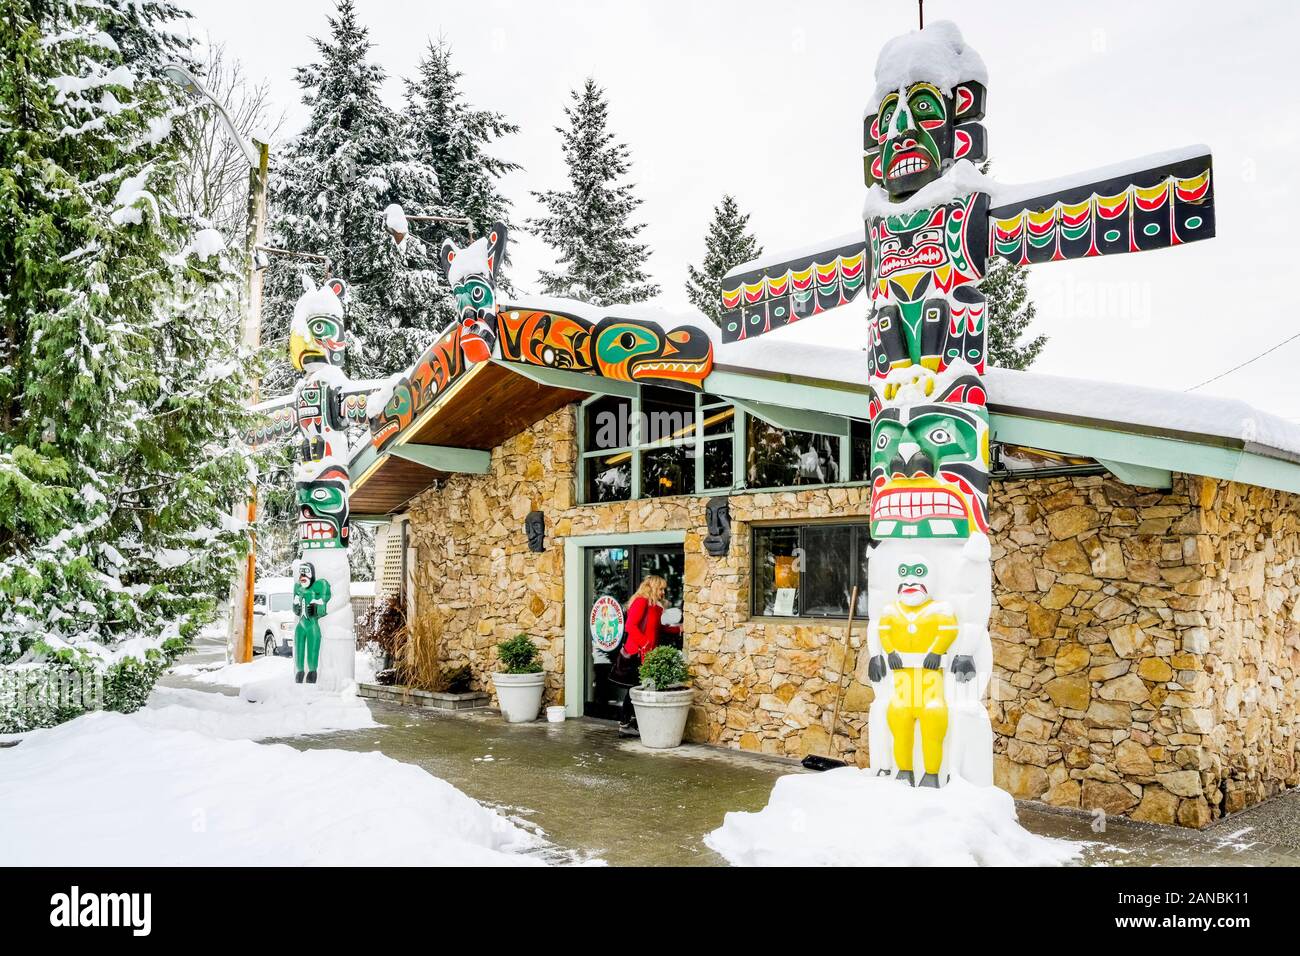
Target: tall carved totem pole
[[324, 641], [932, 220]]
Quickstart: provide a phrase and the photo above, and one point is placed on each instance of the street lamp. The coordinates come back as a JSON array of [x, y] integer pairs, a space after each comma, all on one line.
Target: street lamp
[[188, 82], [258, 156]]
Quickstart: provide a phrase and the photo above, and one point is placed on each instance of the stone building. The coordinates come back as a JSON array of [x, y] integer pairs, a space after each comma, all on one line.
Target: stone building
[[1146, 555]]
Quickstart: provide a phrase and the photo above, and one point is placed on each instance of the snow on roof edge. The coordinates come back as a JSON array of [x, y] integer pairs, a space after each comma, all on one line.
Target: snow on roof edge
[[1132, 405]]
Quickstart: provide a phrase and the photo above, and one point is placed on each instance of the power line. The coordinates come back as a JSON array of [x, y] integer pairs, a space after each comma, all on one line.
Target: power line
[[1245, 363]]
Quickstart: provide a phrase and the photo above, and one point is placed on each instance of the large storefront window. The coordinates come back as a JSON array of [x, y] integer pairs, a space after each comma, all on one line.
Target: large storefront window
[[666, 441], [809, 570]]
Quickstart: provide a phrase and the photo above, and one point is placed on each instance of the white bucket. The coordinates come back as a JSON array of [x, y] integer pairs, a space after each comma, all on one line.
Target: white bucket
[[555, 713]]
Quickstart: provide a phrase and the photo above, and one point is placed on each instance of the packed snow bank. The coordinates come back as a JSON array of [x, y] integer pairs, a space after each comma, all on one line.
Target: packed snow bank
[[264, 709], [108, 789], [850, 817], [263, 668]]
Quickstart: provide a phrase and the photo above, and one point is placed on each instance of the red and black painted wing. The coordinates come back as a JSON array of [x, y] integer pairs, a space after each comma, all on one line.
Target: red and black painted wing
[[758, 300], [1154, 207]]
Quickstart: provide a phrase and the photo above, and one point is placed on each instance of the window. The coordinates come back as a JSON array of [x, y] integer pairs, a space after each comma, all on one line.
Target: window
[[860, 436], [809, 570], [666, 431], [718, 421], [780, 458], [607, 440], [282, 602]]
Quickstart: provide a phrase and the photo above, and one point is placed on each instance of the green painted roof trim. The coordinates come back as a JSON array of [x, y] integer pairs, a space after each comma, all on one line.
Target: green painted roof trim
[[1143, 456], [1137, 456]]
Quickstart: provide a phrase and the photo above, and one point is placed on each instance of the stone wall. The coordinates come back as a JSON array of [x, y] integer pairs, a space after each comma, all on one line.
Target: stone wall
[[1145, 642]]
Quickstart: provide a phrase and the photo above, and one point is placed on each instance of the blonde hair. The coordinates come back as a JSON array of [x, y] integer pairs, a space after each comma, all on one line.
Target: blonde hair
[[653, 588]]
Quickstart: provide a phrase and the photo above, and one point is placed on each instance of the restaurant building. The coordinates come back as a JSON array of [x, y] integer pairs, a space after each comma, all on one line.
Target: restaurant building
[[1145, 547]]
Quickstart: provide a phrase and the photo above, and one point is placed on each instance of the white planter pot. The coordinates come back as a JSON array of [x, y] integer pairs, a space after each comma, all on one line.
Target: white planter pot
[[661, 715], [520, 695]]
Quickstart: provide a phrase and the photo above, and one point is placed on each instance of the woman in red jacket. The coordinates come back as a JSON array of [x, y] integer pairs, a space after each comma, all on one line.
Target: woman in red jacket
[[644, 630]]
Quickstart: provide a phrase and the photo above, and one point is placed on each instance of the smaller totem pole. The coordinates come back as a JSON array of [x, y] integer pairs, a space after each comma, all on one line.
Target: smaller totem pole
[[472, 274], [324, 640]]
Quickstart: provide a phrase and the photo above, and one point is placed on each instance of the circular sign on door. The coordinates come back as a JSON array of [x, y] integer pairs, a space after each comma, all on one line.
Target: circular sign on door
[[606, 623]]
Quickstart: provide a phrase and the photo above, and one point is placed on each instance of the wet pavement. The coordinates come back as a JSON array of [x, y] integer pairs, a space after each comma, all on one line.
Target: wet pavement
[[595, 795]]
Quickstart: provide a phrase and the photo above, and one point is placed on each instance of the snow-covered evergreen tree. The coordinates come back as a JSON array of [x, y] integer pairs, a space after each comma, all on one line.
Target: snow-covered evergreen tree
[[728, 244], [590, 224], [121, 390], [1010, 313], [452, 137], [351, 161]]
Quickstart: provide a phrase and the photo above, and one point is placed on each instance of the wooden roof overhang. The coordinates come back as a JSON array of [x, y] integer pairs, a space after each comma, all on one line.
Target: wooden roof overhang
[[456, 434]]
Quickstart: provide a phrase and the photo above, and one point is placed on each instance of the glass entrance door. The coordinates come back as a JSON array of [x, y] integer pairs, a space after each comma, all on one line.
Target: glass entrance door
[[613, 575]]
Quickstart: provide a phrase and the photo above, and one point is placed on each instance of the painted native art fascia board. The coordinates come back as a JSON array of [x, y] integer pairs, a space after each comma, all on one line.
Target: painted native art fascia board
[[553, 335]]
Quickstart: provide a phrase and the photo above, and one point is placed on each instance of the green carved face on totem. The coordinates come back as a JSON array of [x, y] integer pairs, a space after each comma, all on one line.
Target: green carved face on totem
[[929, 472], [323, 514], [477, 305], [914, 134]]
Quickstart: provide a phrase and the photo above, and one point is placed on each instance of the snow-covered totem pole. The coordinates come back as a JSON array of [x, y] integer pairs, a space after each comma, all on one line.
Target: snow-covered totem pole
[[929, 581], [324, 641], [932, 221]]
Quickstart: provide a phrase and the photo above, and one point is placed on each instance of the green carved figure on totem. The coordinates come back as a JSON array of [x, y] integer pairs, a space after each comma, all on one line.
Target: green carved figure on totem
[[311, 600]]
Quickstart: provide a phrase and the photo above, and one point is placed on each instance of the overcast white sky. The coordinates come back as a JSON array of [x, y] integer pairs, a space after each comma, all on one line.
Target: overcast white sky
[[763, 99]]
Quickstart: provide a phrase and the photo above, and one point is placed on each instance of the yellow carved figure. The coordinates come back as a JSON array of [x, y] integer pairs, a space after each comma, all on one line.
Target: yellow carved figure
[[915, 632]]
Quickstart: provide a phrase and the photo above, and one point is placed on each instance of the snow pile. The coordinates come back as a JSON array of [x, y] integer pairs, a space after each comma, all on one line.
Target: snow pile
[[108, 789], [312, 302], [395, 222], [470, 261], [850, 817], [205, 244], [381, 396], [808, 250], [263, 668], [937, 54], [127, 202], [263, 710]]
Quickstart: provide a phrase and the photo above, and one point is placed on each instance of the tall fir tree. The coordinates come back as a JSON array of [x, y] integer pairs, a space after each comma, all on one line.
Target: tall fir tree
[[1010, 313], [590, 224], [328, 192], [728, 244], [121, 390], [452, 138]]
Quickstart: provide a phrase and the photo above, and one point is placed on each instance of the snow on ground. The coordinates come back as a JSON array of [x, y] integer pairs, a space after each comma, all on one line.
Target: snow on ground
[[111, 789], [262, 668], [850, 817], [264, 709]]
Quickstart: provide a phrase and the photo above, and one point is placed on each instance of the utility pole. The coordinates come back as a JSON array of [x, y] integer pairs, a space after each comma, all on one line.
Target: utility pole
[[240, 638], [239, 642]]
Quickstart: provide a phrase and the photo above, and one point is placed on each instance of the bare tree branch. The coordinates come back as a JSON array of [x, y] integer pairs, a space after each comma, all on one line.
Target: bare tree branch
[[215, 185]]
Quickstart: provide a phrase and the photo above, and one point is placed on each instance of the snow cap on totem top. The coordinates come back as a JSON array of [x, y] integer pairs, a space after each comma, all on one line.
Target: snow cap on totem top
[[325, 301], [936, 54], [473, 260], [313, 302]]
